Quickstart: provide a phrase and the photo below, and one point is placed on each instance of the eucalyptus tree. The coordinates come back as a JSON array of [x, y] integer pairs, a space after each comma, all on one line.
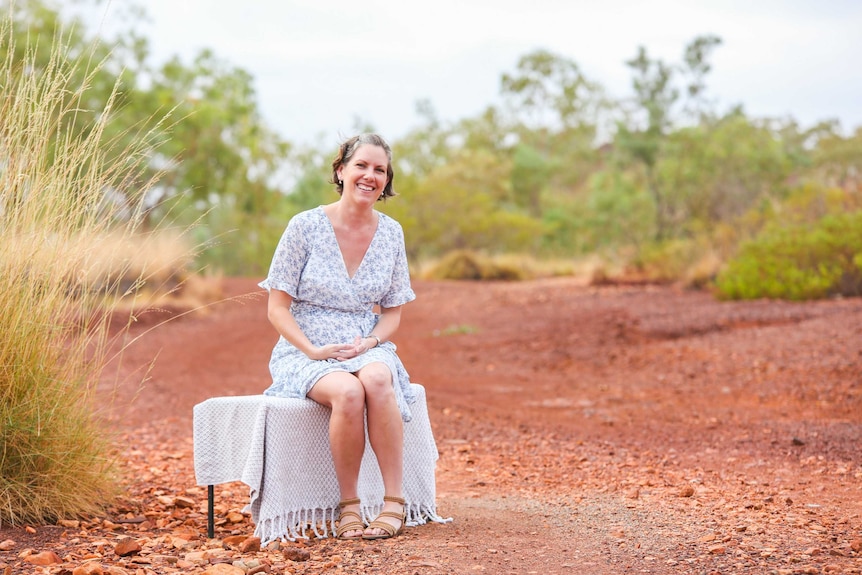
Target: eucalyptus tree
[[651, 115]]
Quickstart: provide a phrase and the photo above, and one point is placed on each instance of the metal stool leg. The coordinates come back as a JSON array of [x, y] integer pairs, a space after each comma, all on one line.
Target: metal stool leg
[[210, 511]]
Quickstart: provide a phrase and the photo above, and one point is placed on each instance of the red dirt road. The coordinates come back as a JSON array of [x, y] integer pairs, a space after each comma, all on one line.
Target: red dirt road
[[581, 429]]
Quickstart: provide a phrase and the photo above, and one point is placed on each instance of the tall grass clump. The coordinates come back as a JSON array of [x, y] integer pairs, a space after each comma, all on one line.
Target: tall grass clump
[[59, 198]]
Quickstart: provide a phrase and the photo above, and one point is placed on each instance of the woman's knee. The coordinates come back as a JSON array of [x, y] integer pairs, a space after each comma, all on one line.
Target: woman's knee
[[344, 393], [376, 379]]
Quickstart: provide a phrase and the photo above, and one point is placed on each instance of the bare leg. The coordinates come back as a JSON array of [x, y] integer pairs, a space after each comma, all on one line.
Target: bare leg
[[386, 434], [345, 395]]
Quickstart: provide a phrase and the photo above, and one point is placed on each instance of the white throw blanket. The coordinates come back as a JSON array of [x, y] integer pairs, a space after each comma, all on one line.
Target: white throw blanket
[[280, 448]]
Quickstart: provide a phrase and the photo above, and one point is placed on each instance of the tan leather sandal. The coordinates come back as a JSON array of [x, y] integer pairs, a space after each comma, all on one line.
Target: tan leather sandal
[[353, 525], [388, 528]]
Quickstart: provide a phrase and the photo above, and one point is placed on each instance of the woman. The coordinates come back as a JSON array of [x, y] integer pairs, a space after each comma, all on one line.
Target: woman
[[333, 264]]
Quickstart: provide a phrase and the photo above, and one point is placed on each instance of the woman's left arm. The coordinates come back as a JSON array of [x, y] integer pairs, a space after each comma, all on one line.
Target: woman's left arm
[[387, 325]]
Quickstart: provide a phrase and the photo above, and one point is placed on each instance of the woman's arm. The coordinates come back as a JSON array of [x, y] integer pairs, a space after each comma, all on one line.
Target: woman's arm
[[279, 315], [387, 325]]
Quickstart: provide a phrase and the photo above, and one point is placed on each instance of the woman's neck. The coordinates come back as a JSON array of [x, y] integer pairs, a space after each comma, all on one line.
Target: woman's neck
[[350, 214]]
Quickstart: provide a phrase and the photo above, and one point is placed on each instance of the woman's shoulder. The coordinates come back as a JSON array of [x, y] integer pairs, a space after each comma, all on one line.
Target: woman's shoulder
[[389, 223], [306, 218], [311, 214]]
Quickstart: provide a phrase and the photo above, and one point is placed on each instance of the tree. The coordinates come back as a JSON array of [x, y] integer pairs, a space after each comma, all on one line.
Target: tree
[[643, 132]]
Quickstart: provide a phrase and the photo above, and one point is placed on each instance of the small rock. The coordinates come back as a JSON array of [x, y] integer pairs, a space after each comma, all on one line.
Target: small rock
[[91, 568], [250, 545], [233, 540], [223, 569], [686, 491], [69, 523], [295, 554], [7, 545], [856, 545], [196, 556], [717, 549], [633, 493], [184, 502], [43, 558], [235, 516], [126, 547]]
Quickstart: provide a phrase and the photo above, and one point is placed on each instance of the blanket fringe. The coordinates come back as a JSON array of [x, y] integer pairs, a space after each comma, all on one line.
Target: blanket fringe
[[320, 523]]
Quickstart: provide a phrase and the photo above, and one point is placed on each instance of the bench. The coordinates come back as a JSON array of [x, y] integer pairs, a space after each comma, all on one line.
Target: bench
[[279, 448]]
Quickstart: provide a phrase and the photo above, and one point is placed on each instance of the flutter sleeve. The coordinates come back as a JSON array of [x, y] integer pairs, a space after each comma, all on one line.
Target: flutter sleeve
[[400, 291], [289, 259]]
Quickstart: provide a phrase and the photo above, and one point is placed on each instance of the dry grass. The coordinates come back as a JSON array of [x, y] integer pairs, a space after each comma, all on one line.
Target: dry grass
[[69, 223]]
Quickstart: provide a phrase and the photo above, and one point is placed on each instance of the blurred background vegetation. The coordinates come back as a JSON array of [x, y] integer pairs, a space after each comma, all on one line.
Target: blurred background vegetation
[[124, 182], [557, 179]]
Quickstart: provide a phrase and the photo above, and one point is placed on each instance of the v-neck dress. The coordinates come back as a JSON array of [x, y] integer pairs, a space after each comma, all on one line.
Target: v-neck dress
[[332, 307]]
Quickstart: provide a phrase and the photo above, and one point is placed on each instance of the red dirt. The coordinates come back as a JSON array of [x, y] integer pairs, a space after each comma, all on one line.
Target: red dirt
[[585, 430]]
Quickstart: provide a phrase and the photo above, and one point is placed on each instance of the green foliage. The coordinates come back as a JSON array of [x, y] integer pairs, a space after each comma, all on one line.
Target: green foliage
[[460, 206], [799, 261], [716, 171], [558, 169]]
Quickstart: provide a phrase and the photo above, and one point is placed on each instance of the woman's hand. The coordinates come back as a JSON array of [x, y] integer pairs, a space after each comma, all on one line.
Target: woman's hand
[[342, 351]]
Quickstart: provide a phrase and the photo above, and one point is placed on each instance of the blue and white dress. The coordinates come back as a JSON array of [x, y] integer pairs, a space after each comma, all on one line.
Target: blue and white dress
[[332, 307]]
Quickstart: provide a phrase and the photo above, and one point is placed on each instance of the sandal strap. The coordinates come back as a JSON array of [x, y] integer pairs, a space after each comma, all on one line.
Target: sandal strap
[[355, 525], [387, 527], [352, 526], [349, 513], [393, 499], [346, 502]]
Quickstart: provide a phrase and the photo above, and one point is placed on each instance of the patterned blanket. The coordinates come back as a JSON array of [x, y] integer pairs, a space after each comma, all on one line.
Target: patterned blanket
[[280, 448]]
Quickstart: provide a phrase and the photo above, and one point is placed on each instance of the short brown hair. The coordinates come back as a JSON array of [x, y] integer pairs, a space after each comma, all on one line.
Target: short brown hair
[[345, 153]]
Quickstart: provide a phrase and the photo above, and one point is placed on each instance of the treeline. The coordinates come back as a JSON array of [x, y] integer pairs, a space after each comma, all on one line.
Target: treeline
[[661, 185]]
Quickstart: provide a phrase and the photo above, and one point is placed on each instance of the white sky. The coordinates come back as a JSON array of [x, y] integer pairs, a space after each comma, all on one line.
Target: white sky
[[320, 64]]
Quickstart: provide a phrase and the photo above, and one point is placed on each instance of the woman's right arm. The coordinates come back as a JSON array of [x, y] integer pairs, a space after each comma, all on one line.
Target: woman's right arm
[[278, 312]]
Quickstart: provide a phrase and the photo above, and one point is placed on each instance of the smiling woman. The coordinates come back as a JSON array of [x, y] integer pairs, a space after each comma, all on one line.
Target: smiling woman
[[333, 267]]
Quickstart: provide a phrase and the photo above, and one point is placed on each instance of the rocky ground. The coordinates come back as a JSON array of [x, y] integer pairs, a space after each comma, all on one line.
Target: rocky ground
[[616, 429]]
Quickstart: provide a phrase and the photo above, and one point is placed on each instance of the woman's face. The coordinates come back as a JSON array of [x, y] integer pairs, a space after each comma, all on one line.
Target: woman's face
[[364, 175]]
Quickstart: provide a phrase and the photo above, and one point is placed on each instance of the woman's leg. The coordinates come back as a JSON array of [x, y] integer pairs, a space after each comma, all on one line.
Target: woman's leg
[[345, 395], [386, 434]]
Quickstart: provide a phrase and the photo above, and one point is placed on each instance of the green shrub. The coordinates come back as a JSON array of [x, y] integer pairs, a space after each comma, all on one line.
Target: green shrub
[[798, 262]]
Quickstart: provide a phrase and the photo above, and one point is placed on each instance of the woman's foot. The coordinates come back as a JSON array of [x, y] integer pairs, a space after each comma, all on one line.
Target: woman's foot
[[350, 525], [390, 522]]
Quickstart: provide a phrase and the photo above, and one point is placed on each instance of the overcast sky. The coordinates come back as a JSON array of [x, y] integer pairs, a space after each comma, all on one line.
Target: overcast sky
[[321, 64]]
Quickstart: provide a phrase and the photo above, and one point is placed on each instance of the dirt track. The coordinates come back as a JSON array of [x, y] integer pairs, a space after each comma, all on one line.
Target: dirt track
[[581, 430]]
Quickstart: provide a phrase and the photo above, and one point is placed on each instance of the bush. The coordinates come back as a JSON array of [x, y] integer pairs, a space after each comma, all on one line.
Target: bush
[[59, 200], [798, 262], [467, 265]]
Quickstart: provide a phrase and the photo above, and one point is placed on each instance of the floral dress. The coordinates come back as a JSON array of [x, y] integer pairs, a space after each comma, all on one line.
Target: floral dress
[[332, 307]]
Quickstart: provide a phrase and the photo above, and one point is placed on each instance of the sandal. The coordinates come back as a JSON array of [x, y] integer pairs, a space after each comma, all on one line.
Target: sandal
[[389, 529], [353, 525]]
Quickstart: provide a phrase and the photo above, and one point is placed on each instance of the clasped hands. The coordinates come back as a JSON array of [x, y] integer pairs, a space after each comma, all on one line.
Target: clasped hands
[[343, 351]]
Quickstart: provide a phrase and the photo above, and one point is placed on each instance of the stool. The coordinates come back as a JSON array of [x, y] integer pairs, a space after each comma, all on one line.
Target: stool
[[279, 447]]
